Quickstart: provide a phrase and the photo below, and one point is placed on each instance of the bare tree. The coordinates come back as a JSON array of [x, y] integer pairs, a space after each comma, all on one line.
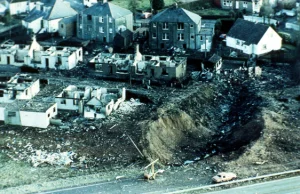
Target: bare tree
[[157, 4], [286, 4], [133, 5], [266, 11]]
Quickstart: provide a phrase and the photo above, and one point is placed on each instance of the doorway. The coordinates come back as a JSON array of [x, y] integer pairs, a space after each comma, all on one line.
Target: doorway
[[152, 72], [47, 64]]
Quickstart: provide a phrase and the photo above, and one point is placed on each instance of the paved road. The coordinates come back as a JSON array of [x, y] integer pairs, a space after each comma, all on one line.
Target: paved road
[[160, 185], [282, 186]]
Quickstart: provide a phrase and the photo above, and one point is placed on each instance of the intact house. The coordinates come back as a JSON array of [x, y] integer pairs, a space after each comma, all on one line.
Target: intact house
[[67, 27], [252, 6], [91, 102], [177, 27], [47, 14], [20, 86], [102, 21], [253, 38], [37, 56], [140, 67], [28, 113], [206, 34], [21, 6]]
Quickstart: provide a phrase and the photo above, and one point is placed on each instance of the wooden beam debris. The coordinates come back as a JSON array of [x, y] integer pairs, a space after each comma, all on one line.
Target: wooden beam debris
[[135, 146]]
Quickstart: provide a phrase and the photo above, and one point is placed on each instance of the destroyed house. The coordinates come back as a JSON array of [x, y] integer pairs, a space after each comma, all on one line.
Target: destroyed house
[[28, 113], [35, 55], [140, 67], [159, 68], [91, 102], [19, 86], [116, 65], [14, 54]]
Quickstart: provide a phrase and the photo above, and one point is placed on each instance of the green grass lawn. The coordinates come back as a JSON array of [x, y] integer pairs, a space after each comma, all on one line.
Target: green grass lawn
[[289, 46], [212, 11], [143, 4]]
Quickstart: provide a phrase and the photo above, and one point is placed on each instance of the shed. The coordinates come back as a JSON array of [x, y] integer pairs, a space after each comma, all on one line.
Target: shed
[[215, 61], [123, 40], [67, 27]]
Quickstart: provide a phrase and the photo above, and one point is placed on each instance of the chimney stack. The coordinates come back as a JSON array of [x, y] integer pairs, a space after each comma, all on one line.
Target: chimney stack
[[138, 55]]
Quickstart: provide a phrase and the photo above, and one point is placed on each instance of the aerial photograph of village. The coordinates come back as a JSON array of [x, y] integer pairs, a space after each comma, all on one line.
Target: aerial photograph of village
[[149, 96]]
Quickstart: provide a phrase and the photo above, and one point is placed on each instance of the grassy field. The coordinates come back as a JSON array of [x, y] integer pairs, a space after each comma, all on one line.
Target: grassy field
[[143, 4], [213, 11]]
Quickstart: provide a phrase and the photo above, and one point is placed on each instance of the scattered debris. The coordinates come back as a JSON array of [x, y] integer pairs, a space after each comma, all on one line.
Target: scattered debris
[[63, 158], [188, 162], [151, 174], [261, 162], [120, 177]]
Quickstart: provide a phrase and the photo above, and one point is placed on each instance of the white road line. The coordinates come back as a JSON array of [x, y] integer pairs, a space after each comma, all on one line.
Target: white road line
[[181, 189], [79, 187]]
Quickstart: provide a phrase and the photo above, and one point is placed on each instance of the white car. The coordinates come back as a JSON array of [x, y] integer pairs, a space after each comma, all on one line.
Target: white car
[[224, 176]]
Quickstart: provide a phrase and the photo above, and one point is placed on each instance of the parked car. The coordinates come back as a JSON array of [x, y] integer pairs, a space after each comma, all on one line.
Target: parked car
[[223, 176]]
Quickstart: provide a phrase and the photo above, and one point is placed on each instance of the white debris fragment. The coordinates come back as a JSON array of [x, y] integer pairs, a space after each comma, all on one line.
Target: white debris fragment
[[63, 158], [128, 106], [188, 162], [119, 177]]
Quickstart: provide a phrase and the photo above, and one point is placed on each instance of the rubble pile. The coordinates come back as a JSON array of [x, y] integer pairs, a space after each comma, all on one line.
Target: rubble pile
[[62, 158], [128, 106]]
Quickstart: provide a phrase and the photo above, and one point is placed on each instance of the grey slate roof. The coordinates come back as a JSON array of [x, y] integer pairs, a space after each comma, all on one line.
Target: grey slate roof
[[215, 58], [52, 9], [33, 15], [61, 9], [174, 14], [125, 33], [247, 31], [107, 9], [69, 20]]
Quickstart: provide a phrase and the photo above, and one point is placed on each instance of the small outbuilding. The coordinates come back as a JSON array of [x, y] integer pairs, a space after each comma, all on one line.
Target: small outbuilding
[[123, 40], [215, 62], [67, 27]]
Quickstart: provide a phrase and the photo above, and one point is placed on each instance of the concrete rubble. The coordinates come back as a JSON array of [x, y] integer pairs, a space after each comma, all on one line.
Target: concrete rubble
[[63, 158]]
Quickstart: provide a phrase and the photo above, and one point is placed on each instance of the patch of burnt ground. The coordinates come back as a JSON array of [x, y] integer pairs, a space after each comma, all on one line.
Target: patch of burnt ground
[[243, 126]]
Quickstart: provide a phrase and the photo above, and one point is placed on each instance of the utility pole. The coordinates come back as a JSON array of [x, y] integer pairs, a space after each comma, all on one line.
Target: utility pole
[[205, 43]]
